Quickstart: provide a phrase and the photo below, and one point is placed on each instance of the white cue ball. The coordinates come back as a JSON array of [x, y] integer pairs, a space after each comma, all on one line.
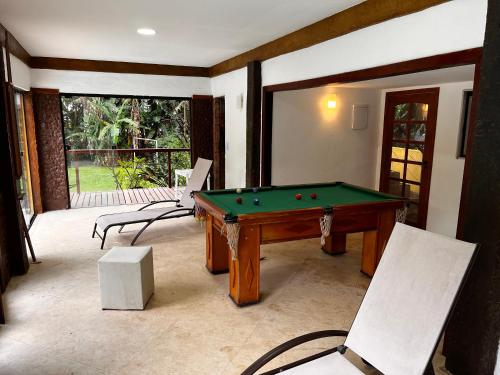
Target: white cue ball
[[238, 190]]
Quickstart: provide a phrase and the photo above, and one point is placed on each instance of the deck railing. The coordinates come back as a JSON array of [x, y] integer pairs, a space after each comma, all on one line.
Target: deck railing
[[76, 156]]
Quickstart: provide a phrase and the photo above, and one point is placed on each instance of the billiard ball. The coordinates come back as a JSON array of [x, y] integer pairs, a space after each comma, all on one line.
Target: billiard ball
[[256, 201], [255, 189], [238, 190], [298, 196], [239, 200], [314, 196]]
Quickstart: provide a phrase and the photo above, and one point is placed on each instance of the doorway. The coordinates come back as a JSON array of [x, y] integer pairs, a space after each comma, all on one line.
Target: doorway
[[408, 148], [125, 149]]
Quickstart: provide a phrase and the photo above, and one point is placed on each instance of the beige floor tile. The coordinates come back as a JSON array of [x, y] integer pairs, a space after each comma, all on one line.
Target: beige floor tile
[[190, 326]]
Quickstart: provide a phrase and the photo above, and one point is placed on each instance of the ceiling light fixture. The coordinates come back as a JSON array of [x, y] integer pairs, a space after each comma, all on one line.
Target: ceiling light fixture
[[146, 31]]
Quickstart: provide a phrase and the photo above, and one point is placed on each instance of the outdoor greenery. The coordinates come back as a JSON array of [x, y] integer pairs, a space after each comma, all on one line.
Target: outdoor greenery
[[126, 123], [92, 178]]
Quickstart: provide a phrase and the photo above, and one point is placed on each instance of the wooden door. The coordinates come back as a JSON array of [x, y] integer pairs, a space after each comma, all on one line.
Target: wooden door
[[219, 139], [202, 117], [408, 147]]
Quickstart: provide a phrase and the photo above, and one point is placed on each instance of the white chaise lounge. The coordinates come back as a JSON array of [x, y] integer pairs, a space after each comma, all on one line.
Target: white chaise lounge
[[403, 313], [183, 207]]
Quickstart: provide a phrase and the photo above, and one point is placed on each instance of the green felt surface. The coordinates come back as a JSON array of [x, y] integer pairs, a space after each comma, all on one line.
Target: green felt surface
[[282, 198]]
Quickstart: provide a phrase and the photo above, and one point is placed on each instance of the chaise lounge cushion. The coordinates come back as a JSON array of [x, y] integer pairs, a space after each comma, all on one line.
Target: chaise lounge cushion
[[105, 221]]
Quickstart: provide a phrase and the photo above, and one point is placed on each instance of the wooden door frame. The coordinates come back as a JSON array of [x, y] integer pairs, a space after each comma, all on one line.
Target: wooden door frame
[[447, 60], [219, 169], [428, 155]]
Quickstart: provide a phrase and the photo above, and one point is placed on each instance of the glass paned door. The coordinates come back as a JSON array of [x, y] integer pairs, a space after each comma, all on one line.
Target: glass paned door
[[407, 150], [24, 183]]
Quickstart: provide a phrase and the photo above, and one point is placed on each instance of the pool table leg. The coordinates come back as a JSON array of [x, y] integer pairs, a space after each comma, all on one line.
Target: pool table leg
[[374, 242], [244, 272], [217, 250], [335, 244]]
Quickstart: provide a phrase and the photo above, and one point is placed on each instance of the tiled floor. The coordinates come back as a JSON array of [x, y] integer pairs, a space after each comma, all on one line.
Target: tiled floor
[[56, 326]]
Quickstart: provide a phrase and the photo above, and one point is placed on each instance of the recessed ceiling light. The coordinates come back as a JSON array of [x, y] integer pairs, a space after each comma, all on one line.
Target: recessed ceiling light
[[146, 31]]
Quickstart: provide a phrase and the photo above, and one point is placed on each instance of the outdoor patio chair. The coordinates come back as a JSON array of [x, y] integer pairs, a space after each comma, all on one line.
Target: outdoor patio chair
[[183, 207], [400, 321]]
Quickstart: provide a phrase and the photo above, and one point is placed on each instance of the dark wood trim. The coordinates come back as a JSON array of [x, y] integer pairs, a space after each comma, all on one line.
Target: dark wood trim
[[16, 49], [366, 14], [116, 67], [459, 58], [254, 99], [447, 60], [107, 96], [470, 140], [202, 116], [2, 35], [35, 90], [8, 66], [34, 166], [427, 95], [13, 132], [267, 138], [219, 139]]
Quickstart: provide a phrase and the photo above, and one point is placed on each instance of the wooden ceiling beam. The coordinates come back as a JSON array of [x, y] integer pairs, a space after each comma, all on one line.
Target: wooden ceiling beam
[[116, 67], [365, 14]]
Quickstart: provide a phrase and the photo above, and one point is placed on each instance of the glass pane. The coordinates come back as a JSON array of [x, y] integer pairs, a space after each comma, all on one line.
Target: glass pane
[[419, 111], [415, 152], [399, 131], [417, 132], [397, 170], [412, 214], [412, 192], [413, 172], [398, 151], [395, 187], [401, 111]]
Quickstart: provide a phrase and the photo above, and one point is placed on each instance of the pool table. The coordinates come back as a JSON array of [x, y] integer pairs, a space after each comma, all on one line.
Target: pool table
[[282, 215]]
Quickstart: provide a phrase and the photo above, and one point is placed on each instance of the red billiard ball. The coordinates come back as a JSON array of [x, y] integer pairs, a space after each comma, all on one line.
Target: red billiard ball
[[314, 196], [298, 196], [239, 200]]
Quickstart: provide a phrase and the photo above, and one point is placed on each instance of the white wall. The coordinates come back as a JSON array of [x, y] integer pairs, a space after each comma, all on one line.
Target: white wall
[[436, 30], [312, 143], [21, 74], [119, 84], [232, 85], [452, 26], [447, 170]]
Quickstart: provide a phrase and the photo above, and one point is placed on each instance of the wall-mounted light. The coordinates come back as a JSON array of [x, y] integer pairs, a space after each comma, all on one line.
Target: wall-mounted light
[[331, 102], [146, 31]]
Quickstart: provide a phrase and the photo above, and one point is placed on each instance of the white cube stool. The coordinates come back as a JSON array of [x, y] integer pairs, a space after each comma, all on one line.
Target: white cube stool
[[126, 278]]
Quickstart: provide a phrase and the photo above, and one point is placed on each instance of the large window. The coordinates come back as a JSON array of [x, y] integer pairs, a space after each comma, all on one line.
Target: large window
[[124, 142]]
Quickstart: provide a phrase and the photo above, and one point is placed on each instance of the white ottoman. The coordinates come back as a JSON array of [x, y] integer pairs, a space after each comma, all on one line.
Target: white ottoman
[[126, 278]]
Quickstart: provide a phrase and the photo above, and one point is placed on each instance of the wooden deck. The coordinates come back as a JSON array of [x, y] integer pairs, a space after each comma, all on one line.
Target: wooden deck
[[120, 197]]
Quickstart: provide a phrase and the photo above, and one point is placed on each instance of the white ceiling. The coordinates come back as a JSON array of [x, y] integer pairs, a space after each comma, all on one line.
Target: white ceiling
[[463, 73], [189, 32]]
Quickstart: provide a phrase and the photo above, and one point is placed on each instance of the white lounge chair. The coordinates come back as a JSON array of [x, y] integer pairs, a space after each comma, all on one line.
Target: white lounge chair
[[403, 314], [183, 207]]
